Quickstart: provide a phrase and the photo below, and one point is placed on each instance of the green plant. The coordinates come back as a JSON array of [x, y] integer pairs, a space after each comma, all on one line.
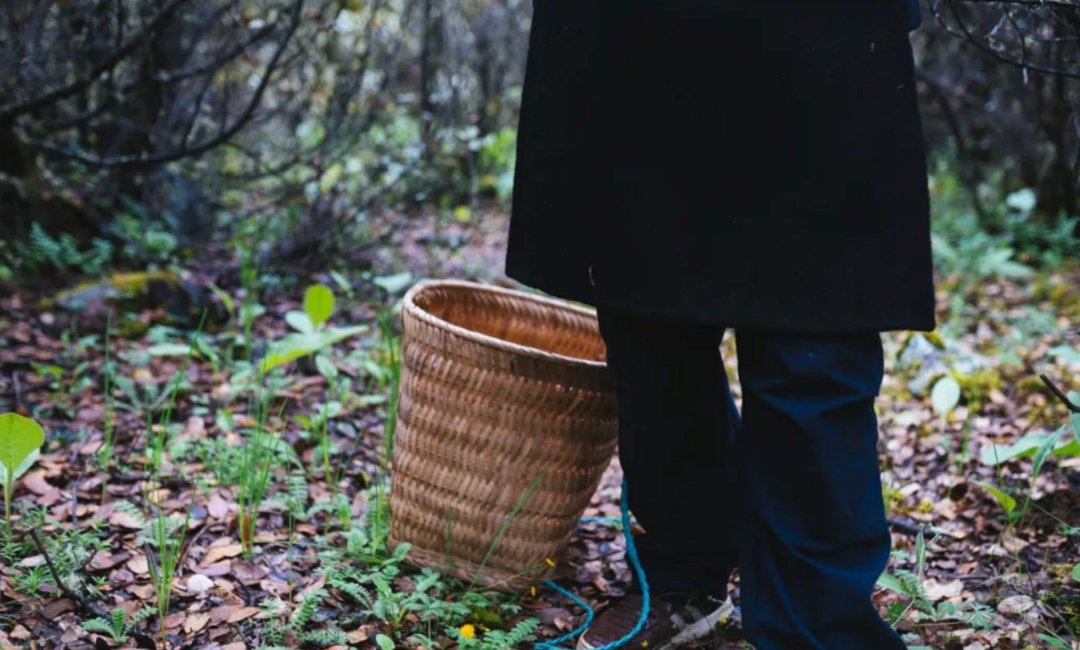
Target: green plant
[[910, 584], [104, 454], [163, 542], [277, 632], [1040, 447], [258, 461], [372, 588], [20, 443], [497, 639], [119, 626], [41, 253], [312, 334], [29, 581]]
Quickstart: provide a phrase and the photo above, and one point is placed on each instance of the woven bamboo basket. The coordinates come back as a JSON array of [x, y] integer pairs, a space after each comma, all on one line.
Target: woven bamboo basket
[[505, 405]]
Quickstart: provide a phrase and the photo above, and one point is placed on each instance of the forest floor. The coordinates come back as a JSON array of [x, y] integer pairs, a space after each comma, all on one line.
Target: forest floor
[[982, 499]]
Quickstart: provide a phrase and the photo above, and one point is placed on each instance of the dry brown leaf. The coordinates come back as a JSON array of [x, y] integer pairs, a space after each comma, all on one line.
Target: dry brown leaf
[[196, 622], [218, 507], [124, 520], [58, 607], [243, 613], [216, 569], [175, 620], [234, 646], [145, 591], [249, 574], [936, 591], [138, 565], [104, 561], [216, 553], [19, 633]]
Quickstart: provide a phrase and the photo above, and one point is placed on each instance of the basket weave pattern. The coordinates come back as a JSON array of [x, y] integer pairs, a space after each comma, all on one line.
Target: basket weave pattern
[[498, 388]]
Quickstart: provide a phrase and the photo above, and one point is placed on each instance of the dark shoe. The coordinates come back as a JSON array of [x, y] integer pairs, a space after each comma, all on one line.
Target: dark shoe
[[666, 627]]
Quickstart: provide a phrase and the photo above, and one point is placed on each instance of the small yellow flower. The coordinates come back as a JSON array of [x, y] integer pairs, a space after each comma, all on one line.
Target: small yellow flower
[[550, 562], [723, 619], [644, 644], [534, 591], [468, 631]]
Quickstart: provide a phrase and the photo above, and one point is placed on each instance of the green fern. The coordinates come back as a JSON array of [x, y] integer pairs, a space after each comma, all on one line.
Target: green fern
[[498, 639], [120, 626]]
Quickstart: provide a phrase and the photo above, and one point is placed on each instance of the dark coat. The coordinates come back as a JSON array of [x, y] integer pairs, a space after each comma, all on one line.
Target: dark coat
[[748, 163]]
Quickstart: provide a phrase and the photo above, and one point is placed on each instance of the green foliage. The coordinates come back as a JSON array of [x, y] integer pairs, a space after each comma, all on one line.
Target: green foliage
[[40, 253], [296, 625], [119, 627], [910, 584], [20, 440], [144, 239], [163, 542], [497, 639], [373, 590]]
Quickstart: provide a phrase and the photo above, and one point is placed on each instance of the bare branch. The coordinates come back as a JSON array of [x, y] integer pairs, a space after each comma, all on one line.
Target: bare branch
[[10, 112]]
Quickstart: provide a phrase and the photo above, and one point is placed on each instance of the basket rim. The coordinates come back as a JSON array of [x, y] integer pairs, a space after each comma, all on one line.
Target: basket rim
[[409, 306]]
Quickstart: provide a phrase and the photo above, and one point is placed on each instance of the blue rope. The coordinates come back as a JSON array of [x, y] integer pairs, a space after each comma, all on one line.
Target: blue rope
[[631, 551]]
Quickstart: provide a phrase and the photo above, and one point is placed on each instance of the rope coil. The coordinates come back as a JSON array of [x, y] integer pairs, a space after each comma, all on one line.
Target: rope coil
[[631, 552]]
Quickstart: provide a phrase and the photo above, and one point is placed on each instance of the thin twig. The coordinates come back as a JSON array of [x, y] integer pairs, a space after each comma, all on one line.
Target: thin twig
[[85, 603], [1074, 408]]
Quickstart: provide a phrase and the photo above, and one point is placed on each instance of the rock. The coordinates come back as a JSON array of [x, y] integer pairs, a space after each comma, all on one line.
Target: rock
[[1016, 606]]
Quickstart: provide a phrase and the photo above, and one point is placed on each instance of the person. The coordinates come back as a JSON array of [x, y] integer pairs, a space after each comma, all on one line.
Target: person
[[693, 166]]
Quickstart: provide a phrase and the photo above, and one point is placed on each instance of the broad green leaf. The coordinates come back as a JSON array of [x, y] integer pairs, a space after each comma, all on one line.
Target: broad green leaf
[[19, 437], [319, 304], [226, 300], [1022, 200], [894, 584], [169, 350], [1066, 353], [23, 467], [326, 367], [1074, 420], [1044, 451], [1076, 573], [300, 322], [945, 396], [1055, 642], [1005, 500], [294, 346], [342, 282], [1029, 445], [393, 284], [384, 642]]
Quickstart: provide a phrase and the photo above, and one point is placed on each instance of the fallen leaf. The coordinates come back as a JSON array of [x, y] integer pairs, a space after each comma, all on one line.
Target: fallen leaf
[[243, 613], [124, 520], [104, 561], [174, 620], [58, 607], [234, 646], [249, 574], [196, 622], [216, 569], [936, 591], [19, 633], [138, 565], [145, 592], [1016, 606], [218, 507], [217, 553]]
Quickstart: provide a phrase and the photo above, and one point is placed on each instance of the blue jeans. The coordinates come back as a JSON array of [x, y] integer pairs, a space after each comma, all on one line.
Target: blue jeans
[[789, 492]]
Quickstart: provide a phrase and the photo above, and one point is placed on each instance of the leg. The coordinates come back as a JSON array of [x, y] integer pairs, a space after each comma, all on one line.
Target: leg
[[814, 536], [677, 423]]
